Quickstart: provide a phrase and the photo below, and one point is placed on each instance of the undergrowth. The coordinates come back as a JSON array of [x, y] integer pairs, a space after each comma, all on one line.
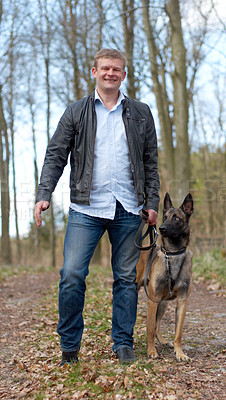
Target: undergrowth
[[210, 266]]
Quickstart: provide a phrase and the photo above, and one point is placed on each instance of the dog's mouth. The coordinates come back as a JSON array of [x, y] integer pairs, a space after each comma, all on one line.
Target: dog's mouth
[[166, 233]]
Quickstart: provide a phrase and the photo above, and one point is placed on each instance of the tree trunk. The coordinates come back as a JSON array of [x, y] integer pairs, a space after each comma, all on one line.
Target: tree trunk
[[53, 229], [128, 29], [12, 132], [4, 177], [45, 42], [159, 88], [105, 253], [32, 112], [71, 39], [182, 156]]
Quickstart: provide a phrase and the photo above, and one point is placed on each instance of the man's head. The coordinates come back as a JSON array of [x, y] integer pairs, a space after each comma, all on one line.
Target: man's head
[[110, 53], [109, 71]]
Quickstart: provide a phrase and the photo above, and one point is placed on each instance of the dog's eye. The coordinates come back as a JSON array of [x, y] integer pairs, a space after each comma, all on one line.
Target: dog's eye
[[177, 218], [164, 218]]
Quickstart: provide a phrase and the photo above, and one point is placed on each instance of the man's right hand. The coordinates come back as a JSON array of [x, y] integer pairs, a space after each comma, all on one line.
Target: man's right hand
[[39, 207]]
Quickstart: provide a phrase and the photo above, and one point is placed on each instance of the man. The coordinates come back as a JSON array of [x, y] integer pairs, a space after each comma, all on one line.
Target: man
[[112, 144]]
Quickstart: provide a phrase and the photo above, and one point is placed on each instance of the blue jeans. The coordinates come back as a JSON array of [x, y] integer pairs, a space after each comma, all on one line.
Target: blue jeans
[[82, 236]]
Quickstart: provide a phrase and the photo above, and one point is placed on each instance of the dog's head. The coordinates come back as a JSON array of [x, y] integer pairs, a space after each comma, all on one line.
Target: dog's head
[[176, 220]]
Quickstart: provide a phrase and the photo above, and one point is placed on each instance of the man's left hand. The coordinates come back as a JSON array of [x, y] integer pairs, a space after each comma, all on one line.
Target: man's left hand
[[152, 217]]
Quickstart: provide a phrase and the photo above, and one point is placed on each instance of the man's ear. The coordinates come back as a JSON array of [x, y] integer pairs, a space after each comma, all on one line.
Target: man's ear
[[124, 75], [94, 72]]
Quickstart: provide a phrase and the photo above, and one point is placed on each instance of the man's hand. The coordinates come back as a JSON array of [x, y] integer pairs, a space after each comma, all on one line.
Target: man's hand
[[39, 207], [152, 217]]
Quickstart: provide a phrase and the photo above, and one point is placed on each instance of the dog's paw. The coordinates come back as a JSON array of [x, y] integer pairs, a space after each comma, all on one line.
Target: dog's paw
[[152, 353], [180, 356]]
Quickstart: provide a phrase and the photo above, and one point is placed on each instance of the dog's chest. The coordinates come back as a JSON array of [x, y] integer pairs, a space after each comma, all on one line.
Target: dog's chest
[[175, 264], [171, 268]]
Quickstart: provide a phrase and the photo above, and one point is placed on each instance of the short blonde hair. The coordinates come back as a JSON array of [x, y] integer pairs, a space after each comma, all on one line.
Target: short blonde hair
[[110, 53]]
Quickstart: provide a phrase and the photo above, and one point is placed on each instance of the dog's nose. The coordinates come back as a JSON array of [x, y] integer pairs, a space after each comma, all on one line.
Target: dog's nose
[[162, 228]]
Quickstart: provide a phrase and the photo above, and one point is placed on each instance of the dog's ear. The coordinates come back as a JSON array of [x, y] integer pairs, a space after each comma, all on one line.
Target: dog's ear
[[187, 206], [167, 204]]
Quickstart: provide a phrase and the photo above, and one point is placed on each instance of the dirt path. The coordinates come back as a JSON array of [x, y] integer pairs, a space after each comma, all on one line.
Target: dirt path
[[204, 338], [204, 341], [19, 301]]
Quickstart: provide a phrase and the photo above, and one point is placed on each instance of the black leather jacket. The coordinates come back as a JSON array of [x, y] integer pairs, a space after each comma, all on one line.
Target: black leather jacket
[[75, 134]]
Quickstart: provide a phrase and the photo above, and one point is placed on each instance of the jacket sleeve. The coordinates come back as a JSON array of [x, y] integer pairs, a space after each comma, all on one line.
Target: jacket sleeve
[[56, 156], [150, 159]]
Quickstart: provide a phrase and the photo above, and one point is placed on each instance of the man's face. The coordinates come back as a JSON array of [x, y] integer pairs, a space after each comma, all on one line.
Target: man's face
[[109, 74]]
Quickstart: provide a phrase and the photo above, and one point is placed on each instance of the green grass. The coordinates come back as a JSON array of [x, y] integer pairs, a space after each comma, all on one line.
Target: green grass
[[211, 266], [16, 270]]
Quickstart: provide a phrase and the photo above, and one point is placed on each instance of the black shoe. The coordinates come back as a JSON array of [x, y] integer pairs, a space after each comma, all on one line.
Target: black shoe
[[69, 357], [125, 355]]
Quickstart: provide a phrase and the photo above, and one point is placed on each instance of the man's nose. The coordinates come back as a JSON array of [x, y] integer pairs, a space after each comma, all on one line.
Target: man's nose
[[110, 71]]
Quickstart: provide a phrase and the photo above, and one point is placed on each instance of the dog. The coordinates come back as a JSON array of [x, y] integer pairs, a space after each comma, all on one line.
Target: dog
[[168, 274]]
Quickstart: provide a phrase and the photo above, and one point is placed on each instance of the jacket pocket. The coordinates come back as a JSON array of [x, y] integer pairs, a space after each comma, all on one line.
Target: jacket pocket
[[138, 126]]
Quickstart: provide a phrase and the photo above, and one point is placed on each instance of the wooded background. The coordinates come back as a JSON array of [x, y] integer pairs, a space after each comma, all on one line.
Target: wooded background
[[176, 64]]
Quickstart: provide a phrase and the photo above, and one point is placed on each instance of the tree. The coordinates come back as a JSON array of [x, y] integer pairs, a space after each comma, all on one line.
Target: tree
[[30, 98], [11, 107], [4, 169], [4, 177], [174, 70], [45, 38], [128, 18], [158, 74], [171, 122], [180, 95]]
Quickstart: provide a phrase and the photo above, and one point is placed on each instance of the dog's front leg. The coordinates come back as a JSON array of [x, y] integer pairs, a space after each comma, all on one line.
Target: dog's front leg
[[180, 316], [151, 318], [160, 312]]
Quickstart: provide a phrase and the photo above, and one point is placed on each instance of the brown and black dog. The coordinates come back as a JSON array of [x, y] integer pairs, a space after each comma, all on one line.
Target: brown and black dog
[[169, 273]]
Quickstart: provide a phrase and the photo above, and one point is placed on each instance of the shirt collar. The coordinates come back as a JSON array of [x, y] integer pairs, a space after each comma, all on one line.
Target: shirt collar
[[120, 100]]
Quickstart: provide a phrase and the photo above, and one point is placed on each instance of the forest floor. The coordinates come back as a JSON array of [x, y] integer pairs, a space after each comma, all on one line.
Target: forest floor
[[30, 352]]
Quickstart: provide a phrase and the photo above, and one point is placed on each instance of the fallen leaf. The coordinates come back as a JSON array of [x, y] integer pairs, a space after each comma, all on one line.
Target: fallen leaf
[[213, 286], [139, 379], [60, 386], [48, 321], [126, 381], [21, 365], [80, 395]]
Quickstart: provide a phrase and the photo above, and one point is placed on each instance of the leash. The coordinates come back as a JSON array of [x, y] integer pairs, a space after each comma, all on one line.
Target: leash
[[171, 283], [153, 236], [151, 231]]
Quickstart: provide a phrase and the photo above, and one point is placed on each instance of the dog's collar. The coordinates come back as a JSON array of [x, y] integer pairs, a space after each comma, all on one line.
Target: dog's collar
[[176, 253]]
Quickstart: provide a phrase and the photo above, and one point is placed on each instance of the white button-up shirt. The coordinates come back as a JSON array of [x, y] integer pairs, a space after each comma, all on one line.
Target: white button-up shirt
[[112, 177]]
